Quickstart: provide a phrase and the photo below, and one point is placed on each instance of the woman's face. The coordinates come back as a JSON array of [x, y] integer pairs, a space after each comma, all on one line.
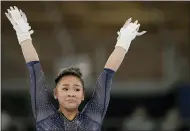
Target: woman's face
[[69, 92]]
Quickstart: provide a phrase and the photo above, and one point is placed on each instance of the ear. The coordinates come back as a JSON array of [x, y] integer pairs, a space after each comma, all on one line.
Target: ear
[[54, 93], [83, 98]]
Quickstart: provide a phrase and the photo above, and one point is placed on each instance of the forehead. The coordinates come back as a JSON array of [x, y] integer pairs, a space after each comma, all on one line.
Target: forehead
[[70, 80]]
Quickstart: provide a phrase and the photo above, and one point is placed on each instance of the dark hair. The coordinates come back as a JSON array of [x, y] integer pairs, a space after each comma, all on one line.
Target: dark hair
[[71, 71]]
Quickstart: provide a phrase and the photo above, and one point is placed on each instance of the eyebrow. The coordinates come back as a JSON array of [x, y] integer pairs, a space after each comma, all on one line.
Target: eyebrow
[[65, 85], [77, 85], [68, 85]]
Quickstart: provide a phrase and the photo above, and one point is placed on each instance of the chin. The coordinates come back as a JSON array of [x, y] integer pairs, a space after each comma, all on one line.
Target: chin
[[72, 107]]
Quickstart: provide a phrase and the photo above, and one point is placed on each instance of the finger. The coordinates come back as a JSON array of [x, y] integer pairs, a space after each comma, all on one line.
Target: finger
[[8, 10], [136, 22], [127, 22], [7, 15], [31, 31], [11, 8], [138, 26], [9, 18], [141, 33], [118, 37], [15, 8], [20, 11], [24, 16]]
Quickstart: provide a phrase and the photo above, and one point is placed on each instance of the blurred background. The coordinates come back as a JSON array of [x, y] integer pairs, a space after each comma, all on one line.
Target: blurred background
[[151, 90]]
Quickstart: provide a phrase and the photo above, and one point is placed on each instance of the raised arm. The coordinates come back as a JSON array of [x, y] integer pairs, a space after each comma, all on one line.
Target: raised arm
[[115, 59], [127, 33], [41, 104], [19, 21], [97, 106], [29, 52]]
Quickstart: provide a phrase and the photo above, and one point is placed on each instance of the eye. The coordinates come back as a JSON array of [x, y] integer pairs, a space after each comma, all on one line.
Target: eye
[[65, 89], [77, 89]]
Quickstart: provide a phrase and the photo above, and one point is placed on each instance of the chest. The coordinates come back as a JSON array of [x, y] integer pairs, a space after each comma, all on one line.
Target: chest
[[58, 123]]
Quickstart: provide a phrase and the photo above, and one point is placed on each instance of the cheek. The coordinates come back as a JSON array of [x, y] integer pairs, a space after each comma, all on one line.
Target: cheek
[[79, 96], [61, 98], [61, 94]]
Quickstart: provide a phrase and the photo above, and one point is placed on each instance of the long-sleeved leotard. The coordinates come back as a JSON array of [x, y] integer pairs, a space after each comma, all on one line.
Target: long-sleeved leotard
[[49, 119]]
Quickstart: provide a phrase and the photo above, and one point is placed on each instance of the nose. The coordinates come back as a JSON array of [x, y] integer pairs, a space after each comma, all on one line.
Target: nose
[[71, 94]]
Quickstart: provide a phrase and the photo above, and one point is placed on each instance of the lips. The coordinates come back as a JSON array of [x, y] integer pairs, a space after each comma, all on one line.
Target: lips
[[71, 101]]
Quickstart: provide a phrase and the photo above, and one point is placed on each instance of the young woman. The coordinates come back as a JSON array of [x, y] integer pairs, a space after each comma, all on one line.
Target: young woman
[[69, 90]]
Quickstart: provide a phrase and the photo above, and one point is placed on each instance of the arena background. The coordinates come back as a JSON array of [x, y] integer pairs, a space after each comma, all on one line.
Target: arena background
[[151, 90]]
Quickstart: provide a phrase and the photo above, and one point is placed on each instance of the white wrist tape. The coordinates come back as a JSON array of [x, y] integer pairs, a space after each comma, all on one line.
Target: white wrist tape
[[24, 36], [123, 43], [125, 37], [22, 30]]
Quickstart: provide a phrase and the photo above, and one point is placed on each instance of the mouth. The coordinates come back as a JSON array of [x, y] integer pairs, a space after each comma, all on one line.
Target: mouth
[[71, 101]]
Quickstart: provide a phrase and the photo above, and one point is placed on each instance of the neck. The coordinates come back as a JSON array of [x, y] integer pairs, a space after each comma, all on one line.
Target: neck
[[69, 114]]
